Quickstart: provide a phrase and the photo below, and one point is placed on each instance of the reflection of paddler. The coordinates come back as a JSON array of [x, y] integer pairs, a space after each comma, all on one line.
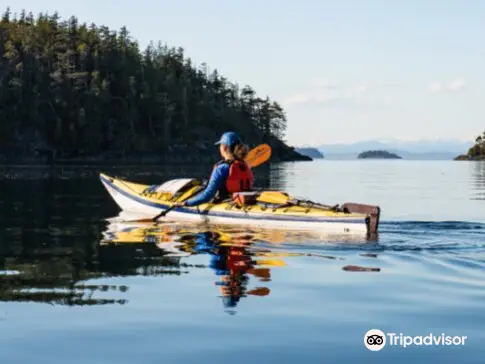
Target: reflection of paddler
[[232, 263], [239, 264], [238, 259], [206, 243]]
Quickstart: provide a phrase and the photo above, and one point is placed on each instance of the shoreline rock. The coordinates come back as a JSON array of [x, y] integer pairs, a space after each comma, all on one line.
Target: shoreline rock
[[465, 157], [311, 152], [184, 155]]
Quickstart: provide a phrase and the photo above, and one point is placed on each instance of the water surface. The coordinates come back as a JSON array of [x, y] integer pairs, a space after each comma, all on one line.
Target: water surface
[[78, 287]]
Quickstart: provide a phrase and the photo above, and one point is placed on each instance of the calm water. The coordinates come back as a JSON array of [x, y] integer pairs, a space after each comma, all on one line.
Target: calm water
[[76, 287]]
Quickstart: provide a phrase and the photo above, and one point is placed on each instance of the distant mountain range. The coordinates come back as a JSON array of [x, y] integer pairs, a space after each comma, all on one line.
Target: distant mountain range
[[417, 150]]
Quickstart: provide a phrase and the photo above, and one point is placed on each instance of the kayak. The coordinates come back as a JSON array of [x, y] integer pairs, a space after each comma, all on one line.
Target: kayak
[[293, 214]]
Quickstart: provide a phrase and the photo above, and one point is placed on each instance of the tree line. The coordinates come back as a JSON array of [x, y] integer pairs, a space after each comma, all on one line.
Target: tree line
[[78, 90]]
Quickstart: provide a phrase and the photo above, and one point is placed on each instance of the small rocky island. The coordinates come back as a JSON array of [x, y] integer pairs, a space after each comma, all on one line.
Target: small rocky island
[[313, 153], [378, 154], [476, 152]]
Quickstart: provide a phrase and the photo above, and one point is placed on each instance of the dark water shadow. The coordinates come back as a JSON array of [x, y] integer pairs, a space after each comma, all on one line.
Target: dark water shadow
[[150, 175], [51, 223]]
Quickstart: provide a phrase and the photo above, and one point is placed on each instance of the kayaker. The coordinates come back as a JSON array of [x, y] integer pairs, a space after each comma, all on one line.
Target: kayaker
[[231, 174]]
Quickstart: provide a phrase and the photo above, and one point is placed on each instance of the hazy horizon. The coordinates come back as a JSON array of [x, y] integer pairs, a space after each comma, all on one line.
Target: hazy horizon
[[399, 140], [434, 149], [343, 71]]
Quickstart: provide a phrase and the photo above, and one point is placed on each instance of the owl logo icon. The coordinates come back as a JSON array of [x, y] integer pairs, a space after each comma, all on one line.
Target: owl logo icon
[[374, 340]]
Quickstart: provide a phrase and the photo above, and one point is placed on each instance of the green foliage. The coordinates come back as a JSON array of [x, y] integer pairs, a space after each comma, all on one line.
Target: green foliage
[[77, 89], [478, 149], [378, 154]]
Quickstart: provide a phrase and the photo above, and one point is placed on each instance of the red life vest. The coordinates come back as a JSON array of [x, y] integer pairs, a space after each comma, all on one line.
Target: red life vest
[[240, 177]]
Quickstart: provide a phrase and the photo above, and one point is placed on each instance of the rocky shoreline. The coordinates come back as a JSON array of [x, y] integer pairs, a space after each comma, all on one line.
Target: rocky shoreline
[[178, 154], [465, 157]]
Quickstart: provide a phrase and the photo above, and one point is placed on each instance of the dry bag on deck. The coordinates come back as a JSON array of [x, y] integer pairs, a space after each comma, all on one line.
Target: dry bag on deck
[[245, 198]]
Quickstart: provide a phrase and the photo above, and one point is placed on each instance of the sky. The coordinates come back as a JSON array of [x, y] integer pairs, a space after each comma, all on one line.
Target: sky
[[343, 70]]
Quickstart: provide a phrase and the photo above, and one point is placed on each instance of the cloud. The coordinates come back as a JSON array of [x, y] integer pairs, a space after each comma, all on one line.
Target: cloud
[[297, 99], [435, 87], [334, 101], [390, 85], [454, 86], [334, 94], [327, 85], [376, 86], [309, 98], [457, 85], [362, 88]]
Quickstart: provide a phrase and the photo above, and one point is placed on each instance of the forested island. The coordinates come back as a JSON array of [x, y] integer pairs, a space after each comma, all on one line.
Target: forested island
[[313, 153], [76, 92], [378, 154], [476, 152]]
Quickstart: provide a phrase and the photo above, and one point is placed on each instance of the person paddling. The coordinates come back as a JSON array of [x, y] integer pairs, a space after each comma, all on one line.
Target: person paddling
[[231, 174]]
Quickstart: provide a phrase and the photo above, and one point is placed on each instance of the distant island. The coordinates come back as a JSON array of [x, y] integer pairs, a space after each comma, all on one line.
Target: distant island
[[377, 154], [421, 149], [82, 93], [476, 152], [313, 153]]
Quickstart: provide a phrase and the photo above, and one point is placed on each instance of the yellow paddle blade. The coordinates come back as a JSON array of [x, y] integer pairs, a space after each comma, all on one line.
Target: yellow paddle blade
[[258, 155], [276, 197], [279, 254], [273, 262]]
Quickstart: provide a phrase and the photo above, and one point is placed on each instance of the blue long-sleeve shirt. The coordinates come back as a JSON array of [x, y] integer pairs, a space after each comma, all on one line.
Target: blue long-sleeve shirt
[[217, 180]]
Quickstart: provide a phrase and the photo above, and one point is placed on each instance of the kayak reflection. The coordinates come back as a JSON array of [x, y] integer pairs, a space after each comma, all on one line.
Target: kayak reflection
[[232, 255], [240, 257]]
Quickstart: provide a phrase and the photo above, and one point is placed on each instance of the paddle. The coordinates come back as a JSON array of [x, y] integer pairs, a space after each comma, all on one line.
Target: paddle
[[297, 255], [272, 262], [256, 156], [260, 291]]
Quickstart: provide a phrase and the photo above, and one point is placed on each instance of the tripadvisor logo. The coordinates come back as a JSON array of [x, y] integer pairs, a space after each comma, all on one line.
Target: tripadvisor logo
[[375, 340]]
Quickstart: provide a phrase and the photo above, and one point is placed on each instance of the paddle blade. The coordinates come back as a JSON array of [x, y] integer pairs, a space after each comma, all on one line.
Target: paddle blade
[[258, 155], [262, 273], [260, 291], [272, 262], [274, 197]]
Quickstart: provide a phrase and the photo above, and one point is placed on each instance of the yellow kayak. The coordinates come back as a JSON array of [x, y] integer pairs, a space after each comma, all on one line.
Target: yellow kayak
[[268, 209]]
